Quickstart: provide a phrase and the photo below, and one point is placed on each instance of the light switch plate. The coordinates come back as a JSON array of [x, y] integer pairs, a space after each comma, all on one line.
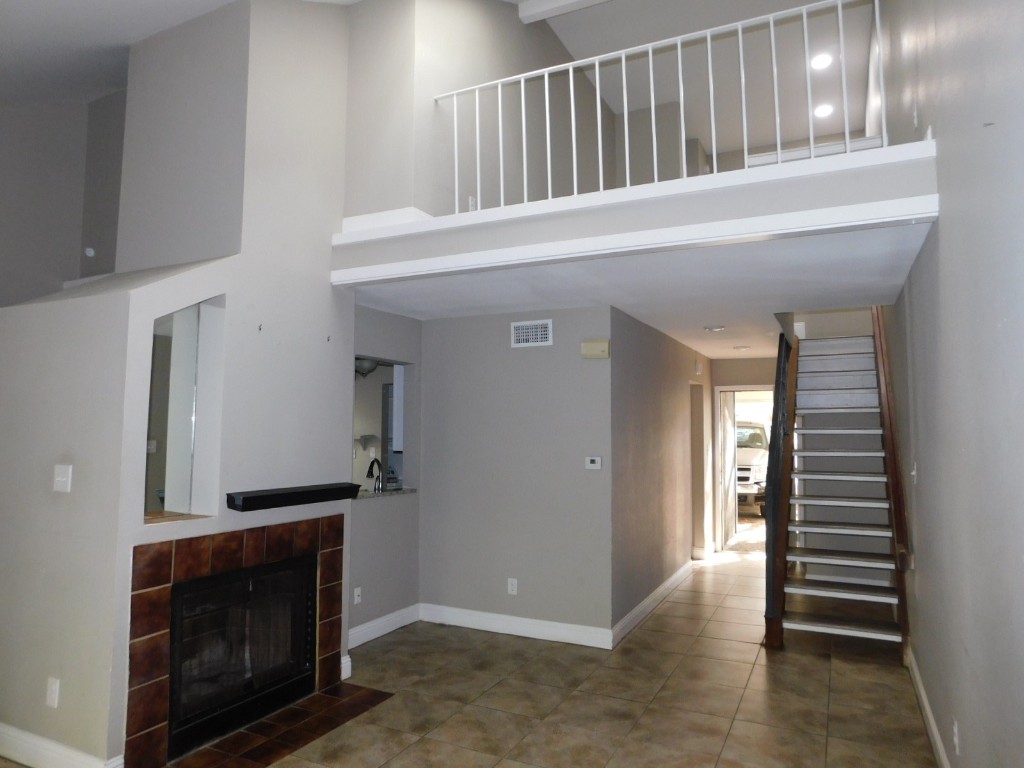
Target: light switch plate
[[592, 462], [62, 478]]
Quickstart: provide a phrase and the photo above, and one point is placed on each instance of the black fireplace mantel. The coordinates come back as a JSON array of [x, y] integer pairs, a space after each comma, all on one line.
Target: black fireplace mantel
[[269, 498]]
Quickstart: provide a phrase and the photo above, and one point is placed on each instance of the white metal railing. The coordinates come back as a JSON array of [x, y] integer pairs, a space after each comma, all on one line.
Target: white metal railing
[[727, 98]]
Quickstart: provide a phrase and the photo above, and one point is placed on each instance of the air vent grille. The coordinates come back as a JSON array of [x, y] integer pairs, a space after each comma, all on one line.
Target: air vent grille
[[531, 333]]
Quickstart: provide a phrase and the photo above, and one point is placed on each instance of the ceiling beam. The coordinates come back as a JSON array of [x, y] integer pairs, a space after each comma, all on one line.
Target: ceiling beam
[[537, 10]]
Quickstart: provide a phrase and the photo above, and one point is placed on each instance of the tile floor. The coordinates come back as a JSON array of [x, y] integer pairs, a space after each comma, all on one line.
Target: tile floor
[[691, 686]]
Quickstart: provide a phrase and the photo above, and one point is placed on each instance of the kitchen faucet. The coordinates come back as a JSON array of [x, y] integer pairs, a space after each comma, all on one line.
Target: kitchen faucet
[[378, 484]]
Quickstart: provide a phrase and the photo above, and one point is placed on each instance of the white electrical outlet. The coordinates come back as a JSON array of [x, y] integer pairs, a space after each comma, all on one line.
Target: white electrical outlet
[[52, 692], [62, 478], [357, 595], [513, 586]]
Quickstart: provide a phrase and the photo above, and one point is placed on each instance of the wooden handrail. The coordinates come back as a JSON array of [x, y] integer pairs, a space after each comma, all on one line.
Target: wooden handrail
[[894, 475], [780, 472]]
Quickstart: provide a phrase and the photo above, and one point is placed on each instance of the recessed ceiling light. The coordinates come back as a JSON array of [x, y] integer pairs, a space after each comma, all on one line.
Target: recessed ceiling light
[[714, 328], [821, 61], [742, 347], [823, 110]]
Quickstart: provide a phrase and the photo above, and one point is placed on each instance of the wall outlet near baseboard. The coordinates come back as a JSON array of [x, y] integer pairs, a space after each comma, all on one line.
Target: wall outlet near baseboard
[[52, 692], [513, 587], [357, 595]]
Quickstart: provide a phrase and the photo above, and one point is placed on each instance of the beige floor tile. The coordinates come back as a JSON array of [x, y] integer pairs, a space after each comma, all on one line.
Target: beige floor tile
[[490, 731], [700, 696], [523, 698], [623, 684], [289, 762], [745, 603], [636, 659], [411, 712], [604, 714], [725, 630], [549, 670], [730, 650], [817, 662], [680, 625], [734, 673], [387, 672], [487, 659], [861, 684], [686, 610], [356, 746], [560, 746], [739, 616], [783, 710], [457, 684], [697, 598], [852, 754], [513, 764], [665, 642], [682, 730], [427, 753], [882, 728], [748, 589], [751, 745], [575, 654], [640, 754], [809, 683]]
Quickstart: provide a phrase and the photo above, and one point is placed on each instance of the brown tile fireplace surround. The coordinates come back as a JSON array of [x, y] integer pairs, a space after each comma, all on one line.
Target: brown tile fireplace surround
[[155, 567]]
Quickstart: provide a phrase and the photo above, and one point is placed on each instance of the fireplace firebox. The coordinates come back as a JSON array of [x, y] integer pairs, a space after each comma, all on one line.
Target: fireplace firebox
[[243, 644]]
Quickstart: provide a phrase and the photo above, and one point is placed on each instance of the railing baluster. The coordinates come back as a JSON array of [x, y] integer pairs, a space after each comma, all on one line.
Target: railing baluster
[[654, 125], [775, 91], [455, 125], [842, 71], [625, 117], [522, 110], [479, 191], [810, 94], [711, 102], [682, 111], [547, 126], [572, 114], [600, 131], [501, 149], [881, 73], [743, 93]]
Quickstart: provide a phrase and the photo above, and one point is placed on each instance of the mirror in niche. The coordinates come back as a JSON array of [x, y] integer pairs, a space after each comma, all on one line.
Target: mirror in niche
[[378, 425]]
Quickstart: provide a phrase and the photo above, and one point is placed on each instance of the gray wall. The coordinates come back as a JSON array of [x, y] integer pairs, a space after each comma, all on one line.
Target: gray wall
[[42, 165], [962, 320], [504, 492], [652, 481], [753, 371], [184, 144], [104, 147], [58, 551], [385, 531]]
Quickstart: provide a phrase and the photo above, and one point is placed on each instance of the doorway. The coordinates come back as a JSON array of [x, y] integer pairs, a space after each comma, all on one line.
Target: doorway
[[740, 470]]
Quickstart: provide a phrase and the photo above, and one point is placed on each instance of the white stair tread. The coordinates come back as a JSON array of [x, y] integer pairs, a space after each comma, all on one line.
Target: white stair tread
[[851, 477], [889, 631], [839, 409], [837, 390], [840, 591], [841, 557], [839, 453], [841, 529], [838, 431], [839, 501]]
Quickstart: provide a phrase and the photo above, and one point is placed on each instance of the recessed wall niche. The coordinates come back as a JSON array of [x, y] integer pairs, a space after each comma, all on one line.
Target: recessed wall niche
[[183, 425]]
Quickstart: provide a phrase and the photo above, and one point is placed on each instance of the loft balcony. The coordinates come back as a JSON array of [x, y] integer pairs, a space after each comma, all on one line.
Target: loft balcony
[[769, 128]]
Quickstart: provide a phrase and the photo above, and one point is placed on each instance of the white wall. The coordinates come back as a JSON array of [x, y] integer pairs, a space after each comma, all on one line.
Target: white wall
[[42, 167], [504, 492], [184, 145], [62, 385], [105, 145], [652, 493], [960, 319]]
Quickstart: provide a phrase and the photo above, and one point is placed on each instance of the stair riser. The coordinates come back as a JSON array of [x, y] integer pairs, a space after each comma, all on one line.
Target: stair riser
[[817, 364], [836, 399], [852, 345], [853, 597], [836, 380], [792, 626]]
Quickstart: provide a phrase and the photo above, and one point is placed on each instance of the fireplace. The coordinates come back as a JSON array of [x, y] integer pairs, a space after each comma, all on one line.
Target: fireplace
[[243, 644]]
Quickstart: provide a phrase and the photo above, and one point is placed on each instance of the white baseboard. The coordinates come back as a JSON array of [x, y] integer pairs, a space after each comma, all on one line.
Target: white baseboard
[[346, 667], [699, 553], [380, 219], [38, 752], [938, 746], [638, 614], [579, 634], [371, 630]]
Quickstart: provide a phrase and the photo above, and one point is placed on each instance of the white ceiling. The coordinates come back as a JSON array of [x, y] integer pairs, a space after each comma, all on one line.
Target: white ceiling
[[739, 285]]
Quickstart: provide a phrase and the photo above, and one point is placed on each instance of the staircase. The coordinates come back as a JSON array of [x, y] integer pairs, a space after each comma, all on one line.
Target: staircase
[[837, 525]]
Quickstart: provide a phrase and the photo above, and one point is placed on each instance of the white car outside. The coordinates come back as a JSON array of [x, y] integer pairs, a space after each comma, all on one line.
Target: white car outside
[[751, 463]]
